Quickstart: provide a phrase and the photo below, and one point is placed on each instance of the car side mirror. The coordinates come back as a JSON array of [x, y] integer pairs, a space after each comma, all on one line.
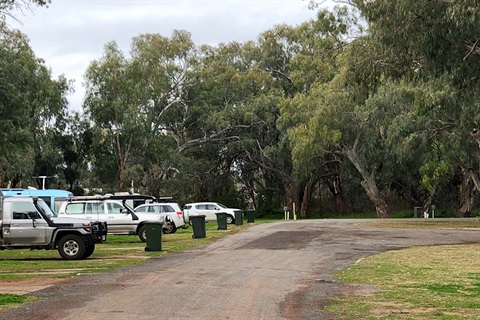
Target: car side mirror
[[124, 210]]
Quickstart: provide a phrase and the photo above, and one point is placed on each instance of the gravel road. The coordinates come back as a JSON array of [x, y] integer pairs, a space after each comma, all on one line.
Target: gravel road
[[267, 271]]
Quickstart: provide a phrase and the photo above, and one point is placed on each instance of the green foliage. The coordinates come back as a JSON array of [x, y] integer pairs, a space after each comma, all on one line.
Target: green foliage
[[32, 109], [369, 104], [6, 299]]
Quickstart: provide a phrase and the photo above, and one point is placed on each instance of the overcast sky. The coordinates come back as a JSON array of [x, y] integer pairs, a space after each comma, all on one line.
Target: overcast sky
[[69, 34]]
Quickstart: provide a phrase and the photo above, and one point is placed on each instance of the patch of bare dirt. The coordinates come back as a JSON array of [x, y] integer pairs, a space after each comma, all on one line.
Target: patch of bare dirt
[[25, 286]]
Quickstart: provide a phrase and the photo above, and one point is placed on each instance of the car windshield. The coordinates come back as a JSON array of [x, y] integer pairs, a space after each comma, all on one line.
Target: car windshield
[[221, 205], [44, 208]]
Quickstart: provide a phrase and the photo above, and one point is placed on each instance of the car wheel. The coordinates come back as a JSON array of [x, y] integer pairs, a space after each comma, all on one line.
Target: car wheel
[[142, 233], [71, 247], [230, 219], [89, 251], [170, 228]]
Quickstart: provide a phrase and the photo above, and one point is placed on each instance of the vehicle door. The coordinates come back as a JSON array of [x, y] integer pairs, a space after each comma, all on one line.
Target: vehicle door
[[118, 219], [95, 211], [27, 227], [210, 212]]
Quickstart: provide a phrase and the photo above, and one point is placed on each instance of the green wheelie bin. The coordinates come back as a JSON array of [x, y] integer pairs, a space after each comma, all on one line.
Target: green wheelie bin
[[238, 218], [153, 231], [250, 216], [198, 224], [221, 220]]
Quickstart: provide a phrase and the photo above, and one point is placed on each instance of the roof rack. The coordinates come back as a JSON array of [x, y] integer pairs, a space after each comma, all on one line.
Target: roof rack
[[114, 197]]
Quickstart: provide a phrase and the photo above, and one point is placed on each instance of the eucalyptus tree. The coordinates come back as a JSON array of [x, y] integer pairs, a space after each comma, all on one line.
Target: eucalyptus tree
[[76, 144], [32, 108], [236, 93], [157, 109], [8, 7], [410, 87], [435, 43], [313, 48]]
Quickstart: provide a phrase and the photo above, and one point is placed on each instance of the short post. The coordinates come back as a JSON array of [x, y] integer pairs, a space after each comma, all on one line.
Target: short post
[[433, 211], [286, 215]]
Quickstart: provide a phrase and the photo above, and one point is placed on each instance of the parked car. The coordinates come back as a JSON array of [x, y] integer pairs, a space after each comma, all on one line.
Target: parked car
[[53, 197], [120, 218], [209, 210], [170, 210]]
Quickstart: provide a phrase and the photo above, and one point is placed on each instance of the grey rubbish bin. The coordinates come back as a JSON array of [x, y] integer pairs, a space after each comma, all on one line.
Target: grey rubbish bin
[[153, 231], [250, 216], [238, 218], [198, 225], [221, 220], [417, 212]]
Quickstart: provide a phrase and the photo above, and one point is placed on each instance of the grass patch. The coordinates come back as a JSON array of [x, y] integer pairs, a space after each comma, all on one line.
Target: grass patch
[[424, 223], [416, 283], [11, 299]]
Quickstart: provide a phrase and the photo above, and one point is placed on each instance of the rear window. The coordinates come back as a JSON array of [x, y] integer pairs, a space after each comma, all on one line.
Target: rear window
[[167, 209], [187, 207]]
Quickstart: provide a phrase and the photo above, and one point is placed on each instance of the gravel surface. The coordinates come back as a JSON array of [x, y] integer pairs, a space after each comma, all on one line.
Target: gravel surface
[[267, 271]]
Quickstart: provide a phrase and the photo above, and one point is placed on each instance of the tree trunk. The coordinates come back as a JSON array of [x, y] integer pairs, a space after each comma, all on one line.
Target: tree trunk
[[334, 184], [465, 196], [369, 185], [307, 196]]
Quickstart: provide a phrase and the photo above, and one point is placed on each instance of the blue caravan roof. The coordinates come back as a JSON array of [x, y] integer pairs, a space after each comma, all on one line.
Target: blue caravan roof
[[36, 192]]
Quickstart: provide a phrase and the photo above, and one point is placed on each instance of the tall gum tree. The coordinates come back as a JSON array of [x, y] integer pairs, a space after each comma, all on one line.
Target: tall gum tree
[[32, 109], [435, 41], [112, 108], [318, 44]]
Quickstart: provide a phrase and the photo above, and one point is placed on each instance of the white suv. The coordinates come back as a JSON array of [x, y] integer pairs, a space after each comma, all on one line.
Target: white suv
[[209, 210], [171, 210], [120, 218]]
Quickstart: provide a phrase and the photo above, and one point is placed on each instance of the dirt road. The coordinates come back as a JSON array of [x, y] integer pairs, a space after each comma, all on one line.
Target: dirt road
[[268, 271]]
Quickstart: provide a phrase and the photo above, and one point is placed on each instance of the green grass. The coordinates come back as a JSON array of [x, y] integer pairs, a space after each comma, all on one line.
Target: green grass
[[424, 223], [9, 300], [416, 283]]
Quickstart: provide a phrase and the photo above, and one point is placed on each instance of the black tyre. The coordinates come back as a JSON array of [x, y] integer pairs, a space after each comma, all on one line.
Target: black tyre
[[230, 219], [89, 251], [71, 247], [142, 233], [169, 228]]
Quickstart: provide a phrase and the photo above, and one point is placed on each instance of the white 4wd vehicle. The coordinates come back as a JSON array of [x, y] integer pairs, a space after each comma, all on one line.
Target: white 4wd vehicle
[[120, 218], [209, 210], [173, 215]]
